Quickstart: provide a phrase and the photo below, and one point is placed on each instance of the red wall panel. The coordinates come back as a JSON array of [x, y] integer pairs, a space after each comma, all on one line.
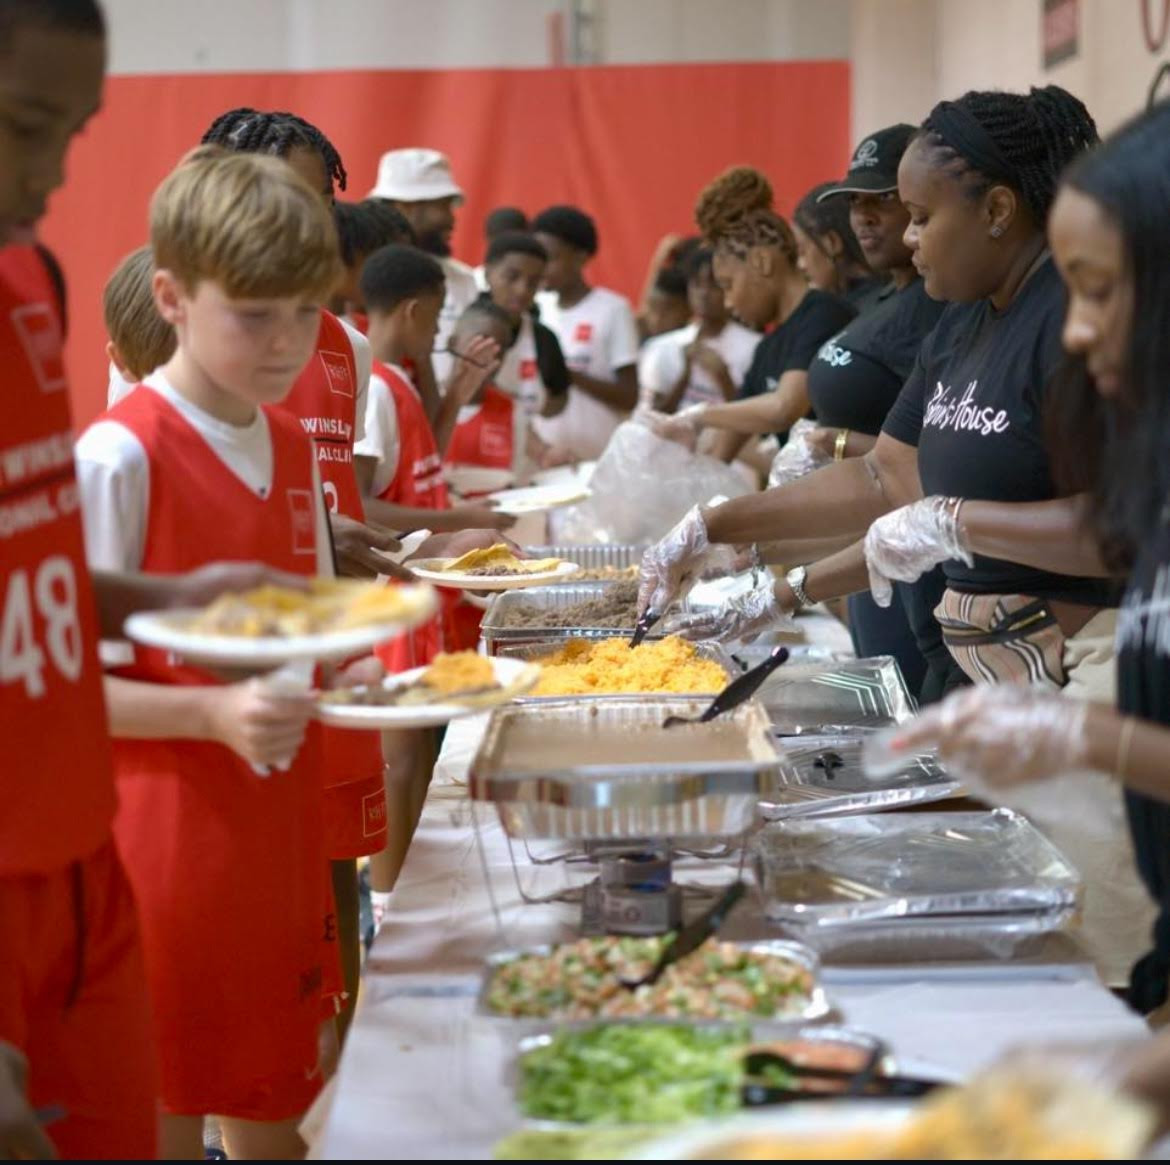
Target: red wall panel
[[631, 144]]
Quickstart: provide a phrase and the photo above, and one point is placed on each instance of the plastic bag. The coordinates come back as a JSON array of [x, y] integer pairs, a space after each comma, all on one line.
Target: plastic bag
[[642, 486]]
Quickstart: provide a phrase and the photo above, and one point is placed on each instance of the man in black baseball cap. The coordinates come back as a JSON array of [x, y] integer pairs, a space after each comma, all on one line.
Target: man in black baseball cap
[[876, 214]]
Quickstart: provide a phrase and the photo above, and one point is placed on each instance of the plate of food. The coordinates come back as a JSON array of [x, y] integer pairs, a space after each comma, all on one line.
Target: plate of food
[[493, 568], [455, 685], [270, 625], [536, 499]]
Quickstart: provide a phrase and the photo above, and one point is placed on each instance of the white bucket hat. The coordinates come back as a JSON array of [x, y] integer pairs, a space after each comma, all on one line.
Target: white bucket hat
[[415, 175]]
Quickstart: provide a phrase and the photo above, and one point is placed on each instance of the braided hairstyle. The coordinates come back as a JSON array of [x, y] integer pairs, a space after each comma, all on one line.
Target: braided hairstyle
[[817, 219], [733, 194], [1037, 134], [250, 131], [735, 214]]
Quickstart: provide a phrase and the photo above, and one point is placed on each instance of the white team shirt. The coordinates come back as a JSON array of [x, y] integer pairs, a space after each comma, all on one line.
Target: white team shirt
[[519, 374], [661, 363], [598, 336], [462, 292]]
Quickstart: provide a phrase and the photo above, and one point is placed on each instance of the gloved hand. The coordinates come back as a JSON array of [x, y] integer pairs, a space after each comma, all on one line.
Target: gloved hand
[[1002, 734], [797, 457], [906, 543], [742, 617], [670, 566], [677, 427]]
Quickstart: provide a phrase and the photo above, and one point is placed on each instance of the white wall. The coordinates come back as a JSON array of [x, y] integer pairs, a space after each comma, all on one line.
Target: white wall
[[152, 36], [908, 54]]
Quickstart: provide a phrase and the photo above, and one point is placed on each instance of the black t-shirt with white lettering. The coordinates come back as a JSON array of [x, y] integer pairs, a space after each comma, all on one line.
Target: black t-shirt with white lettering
[[974, 407], [1143, 689], [858, 374], [794, 344]]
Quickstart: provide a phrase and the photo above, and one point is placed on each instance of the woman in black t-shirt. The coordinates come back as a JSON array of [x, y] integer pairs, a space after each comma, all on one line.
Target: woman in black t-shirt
[[756, 265], [1110, 434]]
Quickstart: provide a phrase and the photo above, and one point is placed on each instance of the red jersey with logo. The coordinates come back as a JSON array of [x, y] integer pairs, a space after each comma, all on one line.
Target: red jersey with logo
[[418, 481], [228, 866], [489, 437], [56, 779], [324, 400]]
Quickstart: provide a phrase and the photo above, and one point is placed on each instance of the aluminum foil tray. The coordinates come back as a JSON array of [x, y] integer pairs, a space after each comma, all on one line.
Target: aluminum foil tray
[[578, 801], [858, 870], [617, 555], [815, 1007], [827, 779], [495, 629], [533, 650], [827, 698]]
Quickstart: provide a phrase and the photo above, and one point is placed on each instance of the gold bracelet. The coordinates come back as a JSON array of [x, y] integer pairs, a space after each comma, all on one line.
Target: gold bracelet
[[839, 447], [1124, 740]]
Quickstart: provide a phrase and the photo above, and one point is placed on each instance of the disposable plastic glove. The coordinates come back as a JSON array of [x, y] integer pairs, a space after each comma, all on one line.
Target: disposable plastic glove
[[741, 618], [906, 543], [796, 457]]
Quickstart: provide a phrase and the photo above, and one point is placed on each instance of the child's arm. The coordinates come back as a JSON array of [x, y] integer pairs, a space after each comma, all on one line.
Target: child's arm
[[262, 727], [474, 364], [620, 393]]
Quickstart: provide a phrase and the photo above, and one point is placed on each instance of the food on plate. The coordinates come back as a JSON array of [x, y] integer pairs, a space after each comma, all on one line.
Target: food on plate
[[633, 1074], [1002, 1115], [615, 607], [582, 980], [458, 678], [499, 560], [582, 668], [328, 605]]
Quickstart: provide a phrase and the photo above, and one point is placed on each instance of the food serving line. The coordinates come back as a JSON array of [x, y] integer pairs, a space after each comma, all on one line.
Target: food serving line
[[429, 1074]]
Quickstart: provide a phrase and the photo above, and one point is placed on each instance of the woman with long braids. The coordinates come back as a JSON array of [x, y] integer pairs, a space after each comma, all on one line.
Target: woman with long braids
[[1108, 435]]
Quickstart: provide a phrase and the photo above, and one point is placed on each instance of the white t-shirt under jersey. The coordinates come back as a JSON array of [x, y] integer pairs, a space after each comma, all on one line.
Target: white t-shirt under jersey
[[119, 386], [598, 336], [381, 440], [113, 473], [661, 363]]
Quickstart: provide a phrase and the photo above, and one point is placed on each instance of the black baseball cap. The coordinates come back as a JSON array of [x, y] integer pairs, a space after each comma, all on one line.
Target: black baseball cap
[[874, 166]]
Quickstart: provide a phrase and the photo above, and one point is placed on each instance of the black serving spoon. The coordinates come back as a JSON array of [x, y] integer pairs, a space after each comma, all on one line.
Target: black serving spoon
[[740, 689], [692, 936]]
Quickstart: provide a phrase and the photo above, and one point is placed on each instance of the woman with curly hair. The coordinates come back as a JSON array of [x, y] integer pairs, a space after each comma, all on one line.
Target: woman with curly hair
[[756, 265]]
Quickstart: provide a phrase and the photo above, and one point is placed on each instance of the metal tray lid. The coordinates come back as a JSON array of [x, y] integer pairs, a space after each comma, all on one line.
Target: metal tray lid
[[829, 778], [848, 870], [496, 776], [821, 698]]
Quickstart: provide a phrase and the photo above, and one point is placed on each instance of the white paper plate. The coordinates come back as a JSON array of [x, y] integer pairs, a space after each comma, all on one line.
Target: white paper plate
[[431, 570], [817, 1119], [515, 677], [477, 479], [165, 630], [535, 499]]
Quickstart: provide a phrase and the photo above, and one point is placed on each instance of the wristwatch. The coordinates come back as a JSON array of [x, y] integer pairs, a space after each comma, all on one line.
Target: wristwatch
[[795, 579]]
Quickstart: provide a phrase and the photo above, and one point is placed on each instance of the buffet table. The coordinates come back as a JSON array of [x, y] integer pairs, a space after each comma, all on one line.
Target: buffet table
[[425, 1076]]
